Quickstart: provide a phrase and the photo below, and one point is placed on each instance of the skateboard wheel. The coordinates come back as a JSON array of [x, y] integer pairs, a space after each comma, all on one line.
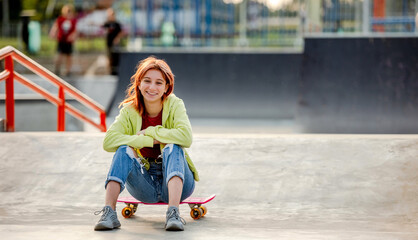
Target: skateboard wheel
[[196, 213], [127, 212], [204, 210]]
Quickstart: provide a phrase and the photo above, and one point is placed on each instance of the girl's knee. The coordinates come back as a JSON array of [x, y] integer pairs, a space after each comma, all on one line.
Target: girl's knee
[[123, 155], [169, 148], [177, 147], [121, 149], [125, 150]]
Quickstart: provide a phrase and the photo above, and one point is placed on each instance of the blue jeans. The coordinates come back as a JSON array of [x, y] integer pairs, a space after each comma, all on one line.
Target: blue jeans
[[151, 186]]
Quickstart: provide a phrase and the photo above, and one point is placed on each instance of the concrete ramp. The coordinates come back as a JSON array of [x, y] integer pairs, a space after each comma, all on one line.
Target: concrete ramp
[[267, 186]]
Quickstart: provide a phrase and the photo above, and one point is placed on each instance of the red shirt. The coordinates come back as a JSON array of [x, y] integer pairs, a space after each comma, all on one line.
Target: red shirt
[[147, 121], [66, 26]]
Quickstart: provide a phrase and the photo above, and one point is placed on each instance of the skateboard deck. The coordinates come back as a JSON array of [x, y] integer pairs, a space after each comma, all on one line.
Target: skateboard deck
[[197, 209]]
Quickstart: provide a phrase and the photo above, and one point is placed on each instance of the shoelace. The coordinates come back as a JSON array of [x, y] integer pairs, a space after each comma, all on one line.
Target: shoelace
[[176, 216], [105, 213]]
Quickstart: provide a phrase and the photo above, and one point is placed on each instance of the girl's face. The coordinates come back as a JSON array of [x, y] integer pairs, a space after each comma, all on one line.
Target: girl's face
[[153, 86]]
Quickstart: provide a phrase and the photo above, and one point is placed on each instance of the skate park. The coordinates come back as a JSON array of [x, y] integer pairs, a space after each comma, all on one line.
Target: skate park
[[272, 181]]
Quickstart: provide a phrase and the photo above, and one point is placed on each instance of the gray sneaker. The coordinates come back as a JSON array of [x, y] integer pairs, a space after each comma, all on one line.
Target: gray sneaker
[[108, 221], [174, 222]]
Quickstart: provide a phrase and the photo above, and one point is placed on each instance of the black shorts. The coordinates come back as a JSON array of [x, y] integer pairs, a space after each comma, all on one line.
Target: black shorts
[[65, 47]]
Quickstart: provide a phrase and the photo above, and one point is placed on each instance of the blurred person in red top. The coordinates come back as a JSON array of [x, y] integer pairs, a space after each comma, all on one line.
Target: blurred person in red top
[[64, 30]]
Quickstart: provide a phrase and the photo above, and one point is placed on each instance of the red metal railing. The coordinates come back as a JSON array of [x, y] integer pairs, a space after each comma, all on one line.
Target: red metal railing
[[9, 54]]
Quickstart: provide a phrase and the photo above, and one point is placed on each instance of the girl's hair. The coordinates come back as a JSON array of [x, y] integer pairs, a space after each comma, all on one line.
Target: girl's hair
[[133, 94]]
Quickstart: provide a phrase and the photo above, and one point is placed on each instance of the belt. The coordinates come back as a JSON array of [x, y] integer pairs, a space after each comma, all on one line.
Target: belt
[[155, 160]]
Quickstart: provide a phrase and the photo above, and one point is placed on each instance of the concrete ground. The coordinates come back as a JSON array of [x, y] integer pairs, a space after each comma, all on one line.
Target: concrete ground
[[268, 186]]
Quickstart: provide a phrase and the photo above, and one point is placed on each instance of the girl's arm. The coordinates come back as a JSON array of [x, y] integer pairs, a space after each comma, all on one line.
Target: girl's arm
[[180, 133], [121, 132], [54, 30]]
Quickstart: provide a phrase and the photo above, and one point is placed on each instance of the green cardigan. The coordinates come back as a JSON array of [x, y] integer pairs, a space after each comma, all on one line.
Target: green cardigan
[[176, 129]]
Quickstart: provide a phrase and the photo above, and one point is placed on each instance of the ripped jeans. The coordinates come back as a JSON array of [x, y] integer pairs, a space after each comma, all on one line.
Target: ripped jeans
[[151, 186]]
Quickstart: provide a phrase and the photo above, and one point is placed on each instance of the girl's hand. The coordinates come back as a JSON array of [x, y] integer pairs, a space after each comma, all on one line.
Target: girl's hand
[[72, 37], [142, 132]]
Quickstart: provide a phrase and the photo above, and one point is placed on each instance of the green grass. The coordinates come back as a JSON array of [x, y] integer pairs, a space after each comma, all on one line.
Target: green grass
[[8, 41], [49, 46]]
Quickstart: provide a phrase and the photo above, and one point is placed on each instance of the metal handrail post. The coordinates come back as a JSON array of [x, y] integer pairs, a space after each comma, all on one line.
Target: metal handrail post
[[103, 121], [10, 100], [61, 110]]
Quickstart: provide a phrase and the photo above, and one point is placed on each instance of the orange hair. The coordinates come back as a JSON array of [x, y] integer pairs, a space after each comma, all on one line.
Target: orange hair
[[133, 94]]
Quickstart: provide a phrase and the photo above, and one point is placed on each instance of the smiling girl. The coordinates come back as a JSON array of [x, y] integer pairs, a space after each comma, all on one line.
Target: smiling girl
[[148, 137]]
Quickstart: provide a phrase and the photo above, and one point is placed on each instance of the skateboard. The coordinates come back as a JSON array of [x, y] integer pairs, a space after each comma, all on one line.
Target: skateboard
[[197, 209]]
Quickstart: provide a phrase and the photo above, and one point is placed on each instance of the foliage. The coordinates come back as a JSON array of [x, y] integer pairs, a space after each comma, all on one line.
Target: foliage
[[48, 45], [38, 5]]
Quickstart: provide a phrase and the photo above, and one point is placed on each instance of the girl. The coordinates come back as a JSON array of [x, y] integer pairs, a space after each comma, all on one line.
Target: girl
[[149, 136]]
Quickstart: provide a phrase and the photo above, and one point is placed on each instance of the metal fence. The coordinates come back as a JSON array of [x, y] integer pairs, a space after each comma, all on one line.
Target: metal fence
[[219, 23], [354, 16], [263, 23], [253, 23]]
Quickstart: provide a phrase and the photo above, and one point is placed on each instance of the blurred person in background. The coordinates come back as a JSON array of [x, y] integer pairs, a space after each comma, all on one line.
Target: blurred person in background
[[64, 30], [113, 37]]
